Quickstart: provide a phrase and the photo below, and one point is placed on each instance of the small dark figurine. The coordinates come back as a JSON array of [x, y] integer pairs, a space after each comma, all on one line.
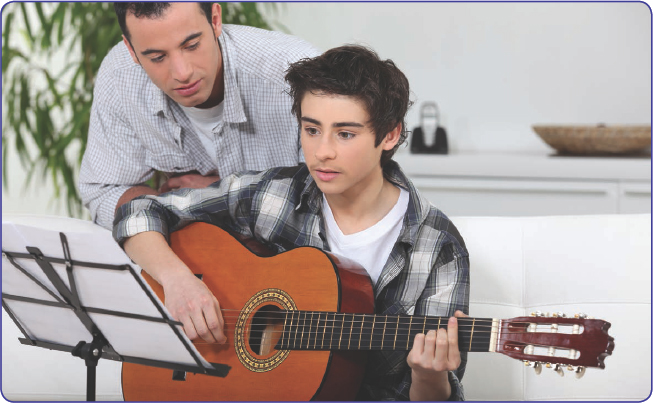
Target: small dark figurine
[[429, 137]]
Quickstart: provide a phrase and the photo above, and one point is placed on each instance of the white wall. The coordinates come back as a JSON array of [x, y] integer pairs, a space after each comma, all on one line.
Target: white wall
[[497, 68], [493, 68]]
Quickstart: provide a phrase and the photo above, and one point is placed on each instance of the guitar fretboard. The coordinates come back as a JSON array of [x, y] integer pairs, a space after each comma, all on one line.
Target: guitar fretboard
[[310, 330]]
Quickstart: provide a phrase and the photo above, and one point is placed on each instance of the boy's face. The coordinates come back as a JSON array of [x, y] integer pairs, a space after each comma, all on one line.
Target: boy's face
[[338, 144], [180, 53]]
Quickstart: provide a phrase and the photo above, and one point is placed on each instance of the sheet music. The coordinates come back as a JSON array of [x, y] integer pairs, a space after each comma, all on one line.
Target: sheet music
[[107, 289]]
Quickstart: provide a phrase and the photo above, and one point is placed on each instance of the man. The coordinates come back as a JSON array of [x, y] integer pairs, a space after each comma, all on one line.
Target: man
[[349, 198], [189, 97]]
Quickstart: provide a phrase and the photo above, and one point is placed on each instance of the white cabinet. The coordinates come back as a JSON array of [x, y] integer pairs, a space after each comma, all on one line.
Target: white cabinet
[[530, 185]]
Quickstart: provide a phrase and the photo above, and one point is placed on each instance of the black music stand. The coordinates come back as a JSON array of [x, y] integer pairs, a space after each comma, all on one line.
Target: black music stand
[[61, 299]]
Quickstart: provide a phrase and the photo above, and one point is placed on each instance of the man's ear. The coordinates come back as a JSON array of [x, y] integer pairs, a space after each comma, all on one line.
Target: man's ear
[[130, 48], [216, 19], [391, 139]]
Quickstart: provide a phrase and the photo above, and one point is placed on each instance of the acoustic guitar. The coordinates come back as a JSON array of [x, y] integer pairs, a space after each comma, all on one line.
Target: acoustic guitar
[[299, 325]]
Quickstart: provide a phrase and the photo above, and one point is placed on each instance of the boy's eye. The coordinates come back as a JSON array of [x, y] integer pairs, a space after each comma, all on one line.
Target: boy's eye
[[311, 131], [346, 135], [157, 59], [193, 46]]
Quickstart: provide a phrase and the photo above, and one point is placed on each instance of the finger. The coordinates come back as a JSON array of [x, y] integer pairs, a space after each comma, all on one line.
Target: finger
[[418, 344], [189, 328], [452, 335], [169, 185], [429, 344], [460, 314], [201, 327], [441, 343], [215, 322]]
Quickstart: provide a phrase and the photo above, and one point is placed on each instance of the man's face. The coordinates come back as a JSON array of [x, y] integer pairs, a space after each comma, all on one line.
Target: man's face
[[338, 145], [180, 53]]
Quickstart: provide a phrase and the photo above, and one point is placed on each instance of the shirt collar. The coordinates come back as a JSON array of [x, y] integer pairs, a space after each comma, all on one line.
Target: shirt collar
[[418, 207], [233, 104]]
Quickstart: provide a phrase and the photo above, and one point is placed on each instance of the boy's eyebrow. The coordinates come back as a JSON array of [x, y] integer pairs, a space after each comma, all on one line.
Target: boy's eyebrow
[[338, 124], [185, 41]]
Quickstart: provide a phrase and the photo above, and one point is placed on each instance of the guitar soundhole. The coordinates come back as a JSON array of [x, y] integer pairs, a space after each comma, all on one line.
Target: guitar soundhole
[[266, 330], [259, 327]]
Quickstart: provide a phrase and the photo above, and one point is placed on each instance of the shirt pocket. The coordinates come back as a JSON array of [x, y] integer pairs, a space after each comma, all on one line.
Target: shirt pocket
[[169, 160]]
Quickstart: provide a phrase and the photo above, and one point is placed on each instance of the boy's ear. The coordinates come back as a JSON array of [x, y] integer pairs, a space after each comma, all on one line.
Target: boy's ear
[[391, 139]]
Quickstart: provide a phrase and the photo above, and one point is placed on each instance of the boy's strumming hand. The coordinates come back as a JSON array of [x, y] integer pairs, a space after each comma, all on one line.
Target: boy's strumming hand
[[191, 302], [430, 359], [187, 298]]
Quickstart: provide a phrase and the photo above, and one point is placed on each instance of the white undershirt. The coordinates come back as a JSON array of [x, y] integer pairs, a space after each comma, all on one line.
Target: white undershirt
[[371, 247], [205, 121]]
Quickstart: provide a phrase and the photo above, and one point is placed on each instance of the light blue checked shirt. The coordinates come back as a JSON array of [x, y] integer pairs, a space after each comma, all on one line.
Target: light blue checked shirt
[[427, 272], [136, 129]]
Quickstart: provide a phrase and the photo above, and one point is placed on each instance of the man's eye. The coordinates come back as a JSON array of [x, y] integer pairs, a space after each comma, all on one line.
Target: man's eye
[[347, 135], [193, 46], [157, 59]]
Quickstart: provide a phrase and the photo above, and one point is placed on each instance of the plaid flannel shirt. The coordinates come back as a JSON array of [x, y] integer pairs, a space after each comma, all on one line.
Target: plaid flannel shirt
[[135, 128], [427, 272]]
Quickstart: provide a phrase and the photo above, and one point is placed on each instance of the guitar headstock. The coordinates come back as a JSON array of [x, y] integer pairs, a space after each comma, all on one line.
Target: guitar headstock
[[556, 341]]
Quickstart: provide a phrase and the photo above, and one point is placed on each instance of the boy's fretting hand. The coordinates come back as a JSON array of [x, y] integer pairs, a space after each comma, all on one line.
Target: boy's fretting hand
[[430, 359]]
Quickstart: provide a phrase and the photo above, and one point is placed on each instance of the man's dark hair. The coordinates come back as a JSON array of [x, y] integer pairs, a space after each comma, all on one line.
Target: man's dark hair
[[149, 9], [358, 72]]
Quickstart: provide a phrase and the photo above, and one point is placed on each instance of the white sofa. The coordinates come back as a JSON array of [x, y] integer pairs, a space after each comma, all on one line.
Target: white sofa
[[599, 265]]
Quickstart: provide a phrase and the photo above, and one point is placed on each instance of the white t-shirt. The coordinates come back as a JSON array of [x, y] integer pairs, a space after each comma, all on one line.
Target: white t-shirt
[[205, 122], [371, 247]]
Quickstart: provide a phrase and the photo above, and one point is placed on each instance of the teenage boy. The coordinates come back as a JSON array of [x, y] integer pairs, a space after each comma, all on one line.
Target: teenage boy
[[189, 97], [349, 198]]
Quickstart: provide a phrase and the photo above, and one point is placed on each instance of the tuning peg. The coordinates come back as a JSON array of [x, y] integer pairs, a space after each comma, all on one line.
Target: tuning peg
[[537, 314], [580, 315], [537, 366], [580, 371], [527, 363], [558, 369]]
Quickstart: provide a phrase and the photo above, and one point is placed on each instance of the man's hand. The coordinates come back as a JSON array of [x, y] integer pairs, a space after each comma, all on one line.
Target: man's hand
[[191, 302], [431, 357], [190, 180]]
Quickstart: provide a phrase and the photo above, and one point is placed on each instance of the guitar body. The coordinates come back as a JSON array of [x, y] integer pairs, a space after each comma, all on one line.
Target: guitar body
[[247, 285]]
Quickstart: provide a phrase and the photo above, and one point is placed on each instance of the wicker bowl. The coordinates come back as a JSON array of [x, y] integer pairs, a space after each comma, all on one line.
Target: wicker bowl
[[596, 140]]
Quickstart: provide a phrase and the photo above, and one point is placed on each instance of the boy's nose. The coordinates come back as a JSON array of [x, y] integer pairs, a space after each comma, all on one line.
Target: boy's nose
[[325, 150]]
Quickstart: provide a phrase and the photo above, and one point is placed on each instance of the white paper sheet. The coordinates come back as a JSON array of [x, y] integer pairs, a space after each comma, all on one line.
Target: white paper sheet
[[108, 289]]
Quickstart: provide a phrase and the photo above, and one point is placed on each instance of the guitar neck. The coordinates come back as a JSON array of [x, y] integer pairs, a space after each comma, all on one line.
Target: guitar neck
[[309, 330]]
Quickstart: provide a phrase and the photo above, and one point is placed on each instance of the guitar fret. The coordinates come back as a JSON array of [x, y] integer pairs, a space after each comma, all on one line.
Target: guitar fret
[[360, 335], [283, 332], [351, 330], [326, 316], [394, 345], [410, 336], [333, 327], [471, 334], [342, 328], [301, 339], [294, 339], [372, 332], [310, 332], [385, 322]]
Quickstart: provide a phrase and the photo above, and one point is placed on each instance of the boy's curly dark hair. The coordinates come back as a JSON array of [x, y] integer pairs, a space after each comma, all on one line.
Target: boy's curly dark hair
[[358, 72]]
